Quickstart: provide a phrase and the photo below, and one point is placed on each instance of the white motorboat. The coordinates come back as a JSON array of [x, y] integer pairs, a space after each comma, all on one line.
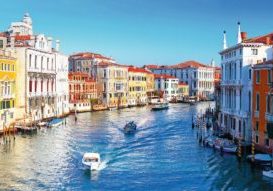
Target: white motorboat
[[268, 174], [91, 161], [42, 124], [55, 122], [262, 159], [160, 106]]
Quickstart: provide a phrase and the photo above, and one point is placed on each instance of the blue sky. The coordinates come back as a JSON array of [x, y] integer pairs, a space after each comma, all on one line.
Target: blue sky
[[142, 32]]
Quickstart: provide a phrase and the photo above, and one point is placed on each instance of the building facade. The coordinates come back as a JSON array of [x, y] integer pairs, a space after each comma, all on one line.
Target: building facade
[[183, 91], [82, 90], [236, 84], [113, 84], [7, 89], [199, 77], [262, 106], [36, 71], [137, 82], [62, 88], [167, 86]]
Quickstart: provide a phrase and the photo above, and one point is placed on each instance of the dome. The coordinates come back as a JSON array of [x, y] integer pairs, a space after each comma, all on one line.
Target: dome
[[27, 19]]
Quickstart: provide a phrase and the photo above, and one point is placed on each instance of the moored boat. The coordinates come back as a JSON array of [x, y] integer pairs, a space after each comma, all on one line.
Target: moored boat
[[160, 106], [268, 174], [130, 127], [55, 122], [91, 161], [261, 159], [42, 124]]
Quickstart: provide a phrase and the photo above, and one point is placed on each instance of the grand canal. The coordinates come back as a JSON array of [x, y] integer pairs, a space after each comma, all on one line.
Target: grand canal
[[163, 155]]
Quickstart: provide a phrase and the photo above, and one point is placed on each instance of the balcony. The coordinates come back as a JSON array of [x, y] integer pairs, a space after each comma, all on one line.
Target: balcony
[[269, 117], [8, 96]]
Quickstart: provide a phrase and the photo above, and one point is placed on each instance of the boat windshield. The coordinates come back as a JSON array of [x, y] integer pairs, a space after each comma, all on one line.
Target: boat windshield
[[91, 160]]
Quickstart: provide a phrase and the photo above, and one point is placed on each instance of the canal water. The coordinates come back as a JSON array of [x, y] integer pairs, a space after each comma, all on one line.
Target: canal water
[[163, 155]]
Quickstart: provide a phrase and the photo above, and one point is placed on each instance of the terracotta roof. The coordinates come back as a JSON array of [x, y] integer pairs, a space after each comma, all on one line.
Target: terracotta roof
[[261, 39], [187, 64], [164, 76], [88, 55], [22, 37], [138, 70], [106, 64], [151, 66], [190, 64]]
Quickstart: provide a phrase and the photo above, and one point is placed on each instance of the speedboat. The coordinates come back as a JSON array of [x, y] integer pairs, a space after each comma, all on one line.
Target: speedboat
[[130, 127], [268, 174], [91, 161], [160, 106], [55, 122]]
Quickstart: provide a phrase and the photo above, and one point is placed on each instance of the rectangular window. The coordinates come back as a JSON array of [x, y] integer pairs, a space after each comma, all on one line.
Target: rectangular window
[[257, 126], [254, 51], [1, 44], [35, 61], [257, 102], [269, 76], [257, 139], [258, 76], [267, 142]]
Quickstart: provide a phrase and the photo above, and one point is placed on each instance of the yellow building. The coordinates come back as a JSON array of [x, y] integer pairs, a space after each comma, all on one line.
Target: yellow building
[[7, 88], [137, 86], [183, 90], [150, 81], [112, 84]]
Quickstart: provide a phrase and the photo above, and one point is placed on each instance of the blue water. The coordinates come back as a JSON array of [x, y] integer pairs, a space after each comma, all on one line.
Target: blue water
[[163, 155]]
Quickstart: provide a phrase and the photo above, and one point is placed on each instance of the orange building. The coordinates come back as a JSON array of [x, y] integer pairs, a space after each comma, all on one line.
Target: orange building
[[82, 89], [262, 106]]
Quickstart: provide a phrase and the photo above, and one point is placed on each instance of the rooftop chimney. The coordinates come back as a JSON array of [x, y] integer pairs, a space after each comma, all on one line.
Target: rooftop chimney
[[244, 36]]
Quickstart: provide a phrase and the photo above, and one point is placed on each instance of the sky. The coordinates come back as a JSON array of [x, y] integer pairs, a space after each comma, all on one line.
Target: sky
[[140, 32]]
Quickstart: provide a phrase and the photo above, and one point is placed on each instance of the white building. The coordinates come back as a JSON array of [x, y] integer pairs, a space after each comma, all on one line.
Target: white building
[[199, 77], [236, 84], [62, 88], [168, 85], [36, 71]]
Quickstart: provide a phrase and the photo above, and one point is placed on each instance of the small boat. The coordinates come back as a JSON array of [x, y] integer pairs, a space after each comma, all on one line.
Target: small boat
[[26, 129], [42, 124], [161, 106], [91, 161], [130, 127], [268, 174], [55, 122], [262, 159], [225, 146]]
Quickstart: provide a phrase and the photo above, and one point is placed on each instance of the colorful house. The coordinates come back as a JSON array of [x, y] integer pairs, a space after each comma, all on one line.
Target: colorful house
[[167, 86], [262, 106], [137, 94], [7, 89], [183, 90], [113, 84], [82, 90]]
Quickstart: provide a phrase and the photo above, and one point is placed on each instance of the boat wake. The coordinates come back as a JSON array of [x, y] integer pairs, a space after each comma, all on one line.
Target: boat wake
[[142, 122]]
